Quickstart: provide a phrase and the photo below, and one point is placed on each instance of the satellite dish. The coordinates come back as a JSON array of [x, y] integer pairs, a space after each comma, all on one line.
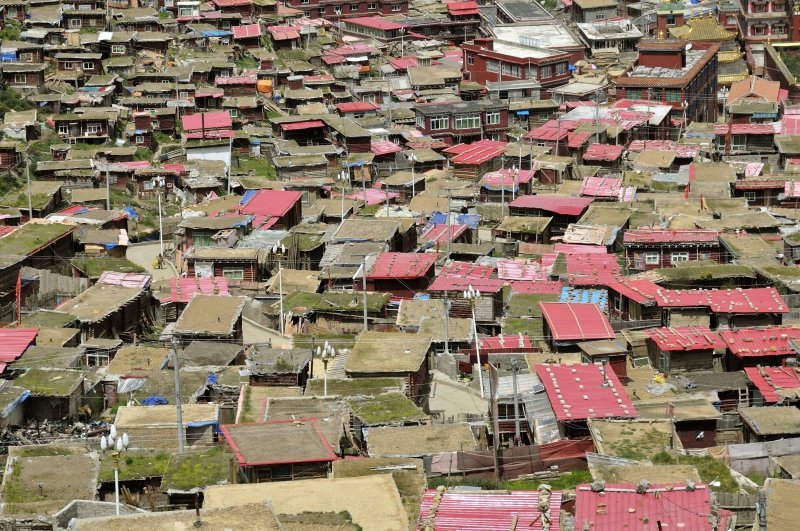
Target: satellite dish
[[688, 46]]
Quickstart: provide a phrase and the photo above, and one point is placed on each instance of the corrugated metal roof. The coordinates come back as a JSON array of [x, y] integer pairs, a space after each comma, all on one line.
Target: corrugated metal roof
[[402, 265], [566, 206], [771, 380], [14, 341], [521, 270], [670, 236], [583, 391], [128, 280], [271, 202], [299, 126], [486, 511], [575, 322], [468, 270], [539, 286], [442, 233], [603, 152], [451, 283], [207, 120], [183, 289], [249, 30], [770, 341], [639, 291], [736, 301], [619, 506], [684, 338], [477, 152], [601, 186]]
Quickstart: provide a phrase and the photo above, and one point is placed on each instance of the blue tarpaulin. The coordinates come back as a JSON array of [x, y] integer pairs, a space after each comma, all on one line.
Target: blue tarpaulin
[[9, 57], [248, 195], [522, 113], [131, 212], [201, 423], [212, 379], [216, 33], [585, 296], [155, 401], [109, 246], [13, 405]]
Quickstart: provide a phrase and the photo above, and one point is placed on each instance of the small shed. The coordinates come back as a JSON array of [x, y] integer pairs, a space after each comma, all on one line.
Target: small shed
[[156, 426], [611, 352], [388, 354], [279, 367], [279, 450], [770, 423], [55, 394], [684, 349], [695, 417], [566, 324]]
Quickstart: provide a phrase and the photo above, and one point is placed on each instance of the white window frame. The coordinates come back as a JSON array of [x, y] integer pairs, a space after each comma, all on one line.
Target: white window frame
[[149, 185], [493, 118], [185, 12], [750, 197], [169, 3], [93, 128], [357, 7], [372, 6], [139, 139], [468, 121], [118, 49], [75, 23], [183, 95], [88, 65], [20, 79], [337, 10], [397, 7], [69, 65], [680, 256], [234, 113], [439, 123], [26, 57], [321, 11], [63, 129], [233, 273], [652, 258], [304, 2]]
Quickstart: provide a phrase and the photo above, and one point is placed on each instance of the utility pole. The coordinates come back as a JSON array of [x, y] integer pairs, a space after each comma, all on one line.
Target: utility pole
[[230, 163], [28, 179], [177, 369], [449, 224], [597, 116], [108, 189], [502, 185], [514, 371], [364, 288], [446, 324]]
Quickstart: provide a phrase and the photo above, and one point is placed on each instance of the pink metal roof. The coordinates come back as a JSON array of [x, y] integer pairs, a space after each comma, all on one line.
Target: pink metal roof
[[639, 291], [591, 269], [770, 380], [14, 341], [231, 3], [521, 270], [734, 301], [601, 186], [372, 196], [236, 80], [670, 236], [507, 177], [579, 248], [603, 152], [468, 269], [376, 23], [566, 206], [300, 126], [576, 139], [477, 152], [385, 147], [582, 391], [760, 184], [404, 63], [72, 210], [576, 322], [402, 265], [792, 189], [451, 283], [183, 289], [320, 78], [271, 202], [495, 511], [442, 233], [539, 286], [505, 342], [357, 106], [684, 150], [128, 280], [248, 30], [197, 135], [209, 120], [684, 338], [747, 129], [619, 507], [755, 342]]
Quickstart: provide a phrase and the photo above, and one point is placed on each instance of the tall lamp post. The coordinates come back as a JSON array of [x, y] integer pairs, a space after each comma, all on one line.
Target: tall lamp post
[[412, 159], [282, 249], [116, 445], [472, 295], [343, 177], [326, 353], [159, 184]]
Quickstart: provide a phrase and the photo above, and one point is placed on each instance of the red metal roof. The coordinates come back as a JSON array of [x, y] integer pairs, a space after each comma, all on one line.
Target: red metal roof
[[591, 269], [248, 30], [575, 322], [619, 507], [508, 178], [385, 147], [236, 80], [299, 126], [566, 206], [770, 380], [684, 150], [271, 203], [468, 270], [576, 139], [603, 152], [231, 3], [404, 63], [372, 196], [539, 286], [507, 341], [639, 291], [376, 23], [357, 106], [582, 391], [477, 152], [442, 233], [197, 135], [521, 270], [183, 289], [601, 186], [734, 301], [756, 342], [670, 236], [14, 341], [684, 338], [452, 283], [402, 265], [747, 129], [209, 120], [486, 511], [579, 248]]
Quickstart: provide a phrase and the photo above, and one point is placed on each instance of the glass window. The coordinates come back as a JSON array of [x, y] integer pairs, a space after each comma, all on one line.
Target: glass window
[[397, 7], [547, 71], [93, 128], [440, 122], [750, 196], [321, 11], [663, 361], [88, 65], [118, 48], [201, 239], [492, 66], [20, 79], [651, 258], [372, 6], [673, 95], [233, 273], [139, 139], [63, 129], [492, 118], [561, 69], [470, 60], [468, 121], [680, 257], [234, 113], [510, 70], [75, 23], [633, 94], [353, 7]]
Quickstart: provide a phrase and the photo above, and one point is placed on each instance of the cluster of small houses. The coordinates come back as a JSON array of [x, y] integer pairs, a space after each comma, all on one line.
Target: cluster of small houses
[[587, 227]]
